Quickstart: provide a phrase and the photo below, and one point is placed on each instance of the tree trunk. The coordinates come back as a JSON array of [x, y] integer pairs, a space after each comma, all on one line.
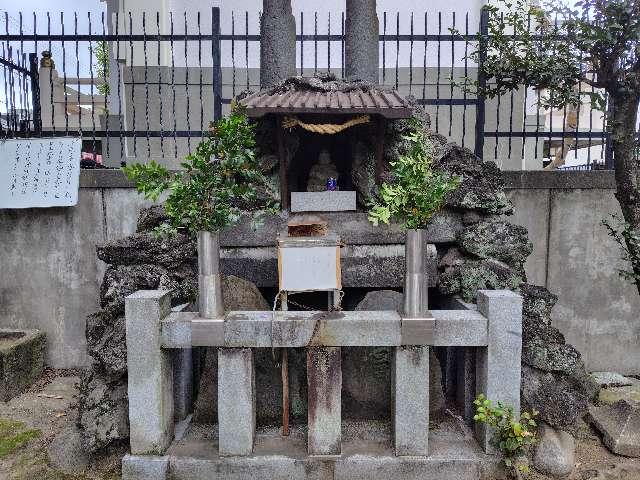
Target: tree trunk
[[627, 166]]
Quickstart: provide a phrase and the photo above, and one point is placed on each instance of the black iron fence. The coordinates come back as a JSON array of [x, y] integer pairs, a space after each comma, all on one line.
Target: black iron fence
[[21, 90], [140, 85]]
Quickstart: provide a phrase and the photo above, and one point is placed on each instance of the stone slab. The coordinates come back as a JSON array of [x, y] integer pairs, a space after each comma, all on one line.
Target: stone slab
[[248, 329], [295, 329], [324, 417], [459, 328], [147, 467], [367, 452], [362, 265], [236, 401], [558, 180], [411, 400], [353, 228], [329, 201], [368, 467], [611, 379], [620, 426]]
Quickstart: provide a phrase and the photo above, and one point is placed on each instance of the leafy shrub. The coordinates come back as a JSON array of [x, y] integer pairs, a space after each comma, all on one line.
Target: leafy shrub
[[511, 436], [218, 179], [417, 191]]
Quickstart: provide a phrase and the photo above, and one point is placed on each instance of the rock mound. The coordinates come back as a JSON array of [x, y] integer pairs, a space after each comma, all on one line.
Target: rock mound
[[554, 380]]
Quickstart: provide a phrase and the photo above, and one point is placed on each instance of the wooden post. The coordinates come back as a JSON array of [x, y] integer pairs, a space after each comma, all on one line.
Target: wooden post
[[284, 182]]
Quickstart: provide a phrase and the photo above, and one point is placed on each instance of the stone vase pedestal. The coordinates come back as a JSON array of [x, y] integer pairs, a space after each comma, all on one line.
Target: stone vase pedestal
[[210, 301]]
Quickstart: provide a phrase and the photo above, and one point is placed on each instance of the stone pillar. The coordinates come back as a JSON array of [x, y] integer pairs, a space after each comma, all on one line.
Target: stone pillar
[[324, 378], [361, 40], [277, 42], [183, 383], [498, 364], [150, 373], [411, 400], [236, 401], [466, 382]]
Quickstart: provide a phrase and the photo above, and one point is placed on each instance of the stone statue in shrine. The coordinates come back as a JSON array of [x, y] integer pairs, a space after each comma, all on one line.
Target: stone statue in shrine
[[323, 169]]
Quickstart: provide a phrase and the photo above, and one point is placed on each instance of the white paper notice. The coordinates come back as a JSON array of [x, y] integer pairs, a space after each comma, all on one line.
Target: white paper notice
[[39, 172]]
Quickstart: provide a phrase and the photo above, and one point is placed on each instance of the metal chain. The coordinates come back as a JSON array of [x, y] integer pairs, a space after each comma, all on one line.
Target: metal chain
[[308, 308]]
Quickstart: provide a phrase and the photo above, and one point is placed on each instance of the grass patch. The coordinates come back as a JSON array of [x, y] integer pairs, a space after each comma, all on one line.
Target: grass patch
[[14, 435]]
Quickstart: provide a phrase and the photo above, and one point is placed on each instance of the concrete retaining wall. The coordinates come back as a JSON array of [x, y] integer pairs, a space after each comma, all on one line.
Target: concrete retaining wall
[[50, 275]]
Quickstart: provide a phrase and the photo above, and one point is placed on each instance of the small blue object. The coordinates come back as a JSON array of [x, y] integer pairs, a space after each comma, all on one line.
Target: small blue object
[[332, 184]]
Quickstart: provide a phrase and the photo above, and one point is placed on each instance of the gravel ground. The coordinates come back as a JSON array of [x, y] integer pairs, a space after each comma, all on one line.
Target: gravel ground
[[28, 423]]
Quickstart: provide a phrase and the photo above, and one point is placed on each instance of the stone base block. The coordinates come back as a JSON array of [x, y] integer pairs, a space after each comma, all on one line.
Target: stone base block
[[21, 360], [367, 453], [144, 467], [329, 201]]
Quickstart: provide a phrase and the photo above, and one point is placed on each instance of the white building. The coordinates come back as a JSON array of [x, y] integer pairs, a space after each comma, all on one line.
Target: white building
[[169, 85]]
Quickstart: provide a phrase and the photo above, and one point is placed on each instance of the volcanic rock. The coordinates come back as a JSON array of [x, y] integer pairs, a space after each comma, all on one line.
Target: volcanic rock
[[170, 251], [103, 410], [497, 239], [466, 278]]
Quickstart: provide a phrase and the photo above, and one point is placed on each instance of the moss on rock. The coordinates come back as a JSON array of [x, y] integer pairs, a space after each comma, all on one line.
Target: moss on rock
[[466, 278], [497, 239]]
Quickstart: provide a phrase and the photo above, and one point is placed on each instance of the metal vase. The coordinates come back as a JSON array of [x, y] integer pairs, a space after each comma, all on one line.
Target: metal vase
[[210, 301], [416, 285]]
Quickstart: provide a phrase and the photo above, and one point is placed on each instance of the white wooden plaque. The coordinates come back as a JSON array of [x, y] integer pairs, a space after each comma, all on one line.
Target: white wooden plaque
[[39, 172], [309, 268]]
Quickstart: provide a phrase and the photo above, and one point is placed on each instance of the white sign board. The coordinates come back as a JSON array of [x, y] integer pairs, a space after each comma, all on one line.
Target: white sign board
[[309, 268], [39, 172]]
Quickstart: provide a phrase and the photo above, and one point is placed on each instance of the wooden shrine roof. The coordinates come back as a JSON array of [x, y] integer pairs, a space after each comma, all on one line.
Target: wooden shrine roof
[[360, 101]]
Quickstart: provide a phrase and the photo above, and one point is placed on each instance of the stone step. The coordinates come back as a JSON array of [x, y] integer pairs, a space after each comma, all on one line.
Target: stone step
[[367, 454]]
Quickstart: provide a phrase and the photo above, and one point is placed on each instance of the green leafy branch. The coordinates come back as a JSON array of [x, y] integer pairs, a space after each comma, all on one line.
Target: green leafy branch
[[511, 435], [417, 192], [101, 51], [526, 45], [220, 180]]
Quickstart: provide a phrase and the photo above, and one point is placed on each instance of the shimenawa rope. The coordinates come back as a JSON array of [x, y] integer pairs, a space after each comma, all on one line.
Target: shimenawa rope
[[325, 128]]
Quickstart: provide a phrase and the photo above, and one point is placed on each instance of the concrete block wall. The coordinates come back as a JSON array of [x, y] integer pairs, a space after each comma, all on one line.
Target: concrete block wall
[[574, 258], [50, 276]]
